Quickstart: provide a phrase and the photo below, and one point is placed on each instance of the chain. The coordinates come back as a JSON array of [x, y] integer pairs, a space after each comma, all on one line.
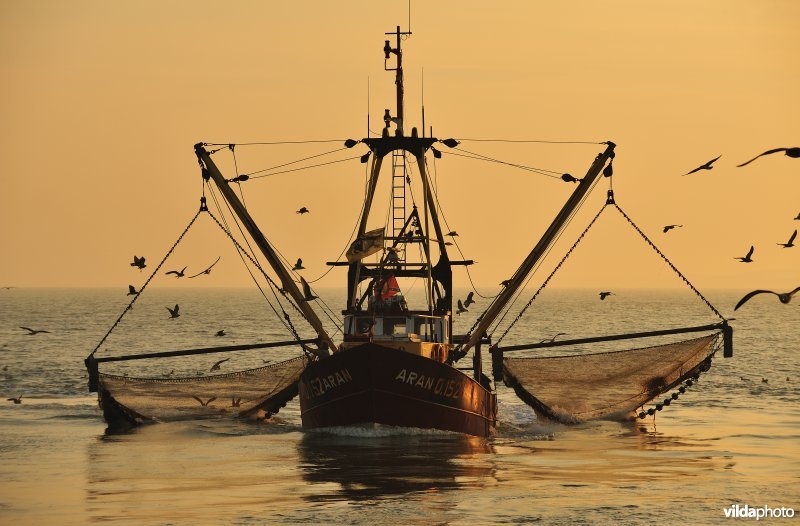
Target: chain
[[136, 297], [546, 281], [704, 366], [678, 272], [272, 283]]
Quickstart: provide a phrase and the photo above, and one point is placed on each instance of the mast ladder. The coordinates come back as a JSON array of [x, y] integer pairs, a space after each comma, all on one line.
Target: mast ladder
[[399, 171]]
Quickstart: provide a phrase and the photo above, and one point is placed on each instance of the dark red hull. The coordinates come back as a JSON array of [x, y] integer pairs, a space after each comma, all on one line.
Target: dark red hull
[[373, 383]]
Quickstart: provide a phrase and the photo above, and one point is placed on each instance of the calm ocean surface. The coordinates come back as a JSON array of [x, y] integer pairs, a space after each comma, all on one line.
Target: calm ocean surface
[[732, 439]]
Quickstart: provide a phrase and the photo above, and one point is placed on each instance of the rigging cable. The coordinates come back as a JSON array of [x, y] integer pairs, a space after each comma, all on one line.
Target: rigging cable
[[544, 256], [435, 191], [352, 234], [293, 162], [240, 250], [306, 167], [225, 144], [531, 141], [481, 157], [236, 171]]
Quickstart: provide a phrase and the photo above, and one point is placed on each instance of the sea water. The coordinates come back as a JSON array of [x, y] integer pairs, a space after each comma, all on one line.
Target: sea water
[[733, 439]]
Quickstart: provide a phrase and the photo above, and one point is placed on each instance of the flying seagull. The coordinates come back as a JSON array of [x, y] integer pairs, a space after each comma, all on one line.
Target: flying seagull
[[215, 367], [31, 332], [452, 233], [178, 273], [17, 400], [138, 262], [553, 339], [747, 258], [299, 265], [706, 166], [204, 404], [220, 333], [132, 291], [236, 402], [307, 295], [303, 210], [796, 219], [790, 243], [794, 153], [784, 297], [670, 227], [461, 308], [208, 270], [9, 288], [604, 295], [469, 301], [173, 313]]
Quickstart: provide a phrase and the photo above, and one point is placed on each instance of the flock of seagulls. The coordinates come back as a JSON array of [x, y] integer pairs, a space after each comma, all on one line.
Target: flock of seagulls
[[783, 297]]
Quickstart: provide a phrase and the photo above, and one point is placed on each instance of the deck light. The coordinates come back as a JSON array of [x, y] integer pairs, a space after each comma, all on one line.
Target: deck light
[[568, 178], [349, 143], [450, 143], [365, 157], [436, 153]]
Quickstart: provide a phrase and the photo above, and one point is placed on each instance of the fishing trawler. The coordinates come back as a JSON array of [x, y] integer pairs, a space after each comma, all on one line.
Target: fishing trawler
[[397, 364]]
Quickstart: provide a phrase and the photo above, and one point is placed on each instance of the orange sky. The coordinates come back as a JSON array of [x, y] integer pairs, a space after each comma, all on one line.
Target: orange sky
[[101, 102]]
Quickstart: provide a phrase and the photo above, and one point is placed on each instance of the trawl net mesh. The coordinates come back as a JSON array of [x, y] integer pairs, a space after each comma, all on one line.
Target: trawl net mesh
[[584, 387], [240, 393]]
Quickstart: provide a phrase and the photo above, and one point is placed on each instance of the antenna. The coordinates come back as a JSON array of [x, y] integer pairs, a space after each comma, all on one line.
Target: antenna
[[423, 97], [409, 17], [368, 106]]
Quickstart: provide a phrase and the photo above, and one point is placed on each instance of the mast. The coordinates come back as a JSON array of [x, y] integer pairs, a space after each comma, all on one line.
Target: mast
[[539, 250], [287, 283]]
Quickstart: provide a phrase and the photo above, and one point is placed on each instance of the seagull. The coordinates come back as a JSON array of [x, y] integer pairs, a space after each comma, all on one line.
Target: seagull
[[303, 210], [31, 332], [784, 297], [132, 291], [551, 340], [204, 404], [469, 301], [706, 166], [208, 270], [448, 244], [670, 227], [178, 273], [307, 295], [796, 219], [604, 295], [461, 308], [790, 243], [764, 381], [298, 265], [235, 402], [17, 400], [173, 313], [747, 258], [138, 262], [452, 233], [220, 333], [794, 153], [9, 288], [215, 367]]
